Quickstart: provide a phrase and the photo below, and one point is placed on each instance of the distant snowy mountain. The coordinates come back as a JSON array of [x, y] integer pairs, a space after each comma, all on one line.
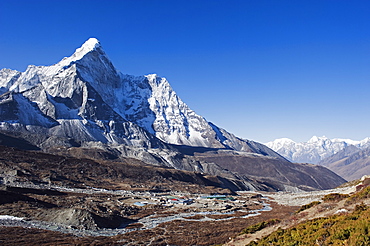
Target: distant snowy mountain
[[315, 149]]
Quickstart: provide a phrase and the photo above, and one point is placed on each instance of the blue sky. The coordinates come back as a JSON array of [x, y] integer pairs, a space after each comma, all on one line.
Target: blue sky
[[260, 69]]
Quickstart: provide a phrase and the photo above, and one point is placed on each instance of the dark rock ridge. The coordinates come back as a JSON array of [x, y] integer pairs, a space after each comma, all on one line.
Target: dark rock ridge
[[351, 163], [276, 173], [84, 102], [20, 166]]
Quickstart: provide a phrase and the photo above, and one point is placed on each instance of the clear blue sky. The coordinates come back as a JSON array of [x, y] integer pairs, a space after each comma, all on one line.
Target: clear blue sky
[[260, 69]]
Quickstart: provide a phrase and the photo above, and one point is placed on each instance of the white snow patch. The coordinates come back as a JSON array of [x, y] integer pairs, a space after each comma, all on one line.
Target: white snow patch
[[9, 217], [341, 211], [90, 45]]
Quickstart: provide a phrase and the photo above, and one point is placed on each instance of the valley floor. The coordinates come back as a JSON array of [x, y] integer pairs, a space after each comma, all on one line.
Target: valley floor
[[40, 216], [56, 215]]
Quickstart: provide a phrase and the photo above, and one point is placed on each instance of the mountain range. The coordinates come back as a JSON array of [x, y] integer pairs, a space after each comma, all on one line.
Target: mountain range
[[348, 158], [83, 101], [314, 150]]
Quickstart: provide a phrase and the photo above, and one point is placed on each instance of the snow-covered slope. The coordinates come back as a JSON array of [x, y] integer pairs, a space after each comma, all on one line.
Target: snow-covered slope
[[315, 149], [85, 98]]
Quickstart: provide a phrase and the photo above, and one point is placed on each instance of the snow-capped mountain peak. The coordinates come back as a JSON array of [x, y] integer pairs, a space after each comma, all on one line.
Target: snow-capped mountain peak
[[90, 45], [316, 139], [285, 140], [353, 142], [277, 144], [85, 97]]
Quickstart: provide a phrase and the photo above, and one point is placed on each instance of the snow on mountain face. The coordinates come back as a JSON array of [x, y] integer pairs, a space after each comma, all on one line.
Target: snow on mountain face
[[315, 149], [84, 97]]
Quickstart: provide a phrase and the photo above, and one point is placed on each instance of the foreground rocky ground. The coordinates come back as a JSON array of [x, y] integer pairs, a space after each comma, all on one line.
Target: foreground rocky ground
[[91, 216], [53, 200], [333, 217], [39, 216], [64, 200]]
